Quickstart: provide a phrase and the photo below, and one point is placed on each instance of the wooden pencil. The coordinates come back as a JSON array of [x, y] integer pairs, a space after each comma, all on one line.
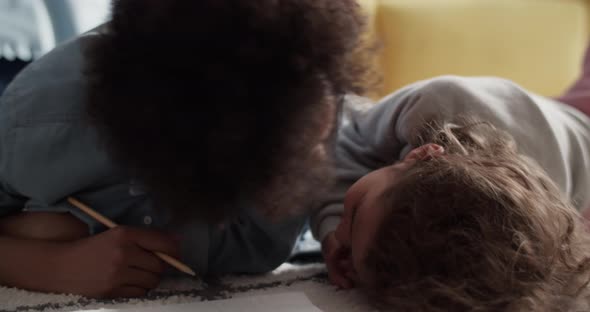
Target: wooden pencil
[[110, 224]]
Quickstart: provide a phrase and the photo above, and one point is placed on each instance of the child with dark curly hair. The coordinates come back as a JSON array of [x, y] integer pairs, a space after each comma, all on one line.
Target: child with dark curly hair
[[202, 127], [478, 214]]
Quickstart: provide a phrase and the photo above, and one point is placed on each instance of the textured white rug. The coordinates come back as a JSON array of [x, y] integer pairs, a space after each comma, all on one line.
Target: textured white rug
[[310, 279]]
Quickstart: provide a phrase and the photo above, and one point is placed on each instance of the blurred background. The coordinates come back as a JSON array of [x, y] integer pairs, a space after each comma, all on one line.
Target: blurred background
[[537, 43], [30, 28]]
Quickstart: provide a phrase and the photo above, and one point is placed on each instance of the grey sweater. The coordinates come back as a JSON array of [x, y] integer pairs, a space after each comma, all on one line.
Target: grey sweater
[[555, 135]]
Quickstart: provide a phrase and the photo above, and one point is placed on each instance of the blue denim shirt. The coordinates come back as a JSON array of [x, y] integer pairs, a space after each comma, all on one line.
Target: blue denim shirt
[[49, 152]]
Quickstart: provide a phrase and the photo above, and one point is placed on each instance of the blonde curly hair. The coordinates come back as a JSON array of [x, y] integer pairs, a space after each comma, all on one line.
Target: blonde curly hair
[[482, 228]]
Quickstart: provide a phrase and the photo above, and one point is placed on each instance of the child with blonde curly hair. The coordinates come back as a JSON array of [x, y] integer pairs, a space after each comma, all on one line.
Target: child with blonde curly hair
[[479, 213]]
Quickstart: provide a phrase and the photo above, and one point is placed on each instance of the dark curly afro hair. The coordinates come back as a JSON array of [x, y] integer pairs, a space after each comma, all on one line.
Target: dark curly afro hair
[[207, 102]]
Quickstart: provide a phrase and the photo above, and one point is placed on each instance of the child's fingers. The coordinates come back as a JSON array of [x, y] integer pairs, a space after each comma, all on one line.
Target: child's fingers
[[144, 260], [351, 275], [345, 264], [139, 278], [149, 240], [348, 269], [346, 284], [337, 277], [340, 281]]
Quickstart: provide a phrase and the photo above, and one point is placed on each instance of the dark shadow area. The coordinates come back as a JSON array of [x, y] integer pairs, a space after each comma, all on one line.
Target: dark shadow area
[[9, 69]]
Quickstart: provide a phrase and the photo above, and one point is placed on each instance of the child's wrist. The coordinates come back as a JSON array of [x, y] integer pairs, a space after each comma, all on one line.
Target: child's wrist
[[30, 264]]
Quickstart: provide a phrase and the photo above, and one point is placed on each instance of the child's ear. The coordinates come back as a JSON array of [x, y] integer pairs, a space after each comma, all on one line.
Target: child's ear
[[425, 152]]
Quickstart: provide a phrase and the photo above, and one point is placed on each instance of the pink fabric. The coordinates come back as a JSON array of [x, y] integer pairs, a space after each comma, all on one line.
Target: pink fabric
[[578, 95]]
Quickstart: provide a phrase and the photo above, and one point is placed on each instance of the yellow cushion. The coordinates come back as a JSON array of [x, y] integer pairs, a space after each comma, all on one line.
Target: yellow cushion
[[537, 43]]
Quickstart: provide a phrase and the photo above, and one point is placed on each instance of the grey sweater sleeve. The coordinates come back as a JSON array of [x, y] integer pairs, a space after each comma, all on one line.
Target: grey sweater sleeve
[[366, 142]]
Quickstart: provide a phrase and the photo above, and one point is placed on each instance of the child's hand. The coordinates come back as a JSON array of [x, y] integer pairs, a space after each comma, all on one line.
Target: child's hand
[[116, 263], [338, 261]]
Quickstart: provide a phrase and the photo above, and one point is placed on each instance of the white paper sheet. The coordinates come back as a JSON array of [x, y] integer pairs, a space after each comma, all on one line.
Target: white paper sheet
[[289, 302]]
